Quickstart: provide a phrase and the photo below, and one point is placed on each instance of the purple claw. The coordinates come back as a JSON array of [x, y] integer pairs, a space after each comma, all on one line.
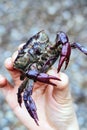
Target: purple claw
[[62, 39], [42, 77], [65, 55], [45, 78]]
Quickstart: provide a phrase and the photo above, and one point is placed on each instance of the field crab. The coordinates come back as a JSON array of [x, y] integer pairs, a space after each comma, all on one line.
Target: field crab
[[35, 58]]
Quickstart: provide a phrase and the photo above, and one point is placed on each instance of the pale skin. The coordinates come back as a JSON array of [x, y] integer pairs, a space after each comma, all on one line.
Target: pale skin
[[54, 103]]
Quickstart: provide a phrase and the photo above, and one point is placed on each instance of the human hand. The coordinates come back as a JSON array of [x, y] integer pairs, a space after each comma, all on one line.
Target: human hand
[[54, 103]]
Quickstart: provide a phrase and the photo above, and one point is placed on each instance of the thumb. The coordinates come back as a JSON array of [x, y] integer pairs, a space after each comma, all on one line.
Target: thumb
[[15, 74], [61, 91]]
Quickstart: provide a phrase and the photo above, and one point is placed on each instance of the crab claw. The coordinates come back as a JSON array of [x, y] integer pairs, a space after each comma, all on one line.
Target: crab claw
[[45, 78], [65, 55], [41, 77]]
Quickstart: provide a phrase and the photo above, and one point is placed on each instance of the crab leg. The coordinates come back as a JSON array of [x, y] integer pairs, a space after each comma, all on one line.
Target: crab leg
[[64, 56], [29, 102], [20, 90], [80, 47], [42, 77]]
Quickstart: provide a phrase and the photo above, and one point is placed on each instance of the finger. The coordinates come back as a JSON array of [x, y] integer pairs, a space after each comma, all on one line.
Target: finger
[[63, 82], [13, 72], [10, 92], [5, 85], [61, 91], [3, 81]]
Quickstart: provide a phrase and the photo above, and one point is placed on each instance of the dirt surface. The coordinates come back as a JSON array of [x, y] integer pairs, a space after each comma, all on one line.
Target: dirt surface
[[20, 19]]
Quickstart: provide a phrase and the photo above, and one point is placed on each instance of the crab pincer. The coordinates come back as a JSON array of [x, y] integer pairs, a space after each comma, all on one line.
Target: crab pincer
[[64, 56], [41, 77], [62, 39]]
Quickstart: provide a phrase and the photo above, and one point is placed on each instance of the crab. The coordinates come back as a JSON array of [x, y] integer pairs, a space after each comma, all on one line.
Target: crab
[[35, 58]]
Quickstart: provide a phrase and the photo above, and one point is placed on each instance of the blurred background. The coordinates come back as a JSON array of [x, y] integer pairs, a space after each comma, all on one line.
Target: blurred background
[[20, 19]]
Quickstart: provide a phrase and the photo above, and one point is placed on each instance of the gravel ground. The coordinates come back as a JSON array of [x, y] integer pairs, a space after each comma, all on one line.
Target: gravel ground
[[20, 19]]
